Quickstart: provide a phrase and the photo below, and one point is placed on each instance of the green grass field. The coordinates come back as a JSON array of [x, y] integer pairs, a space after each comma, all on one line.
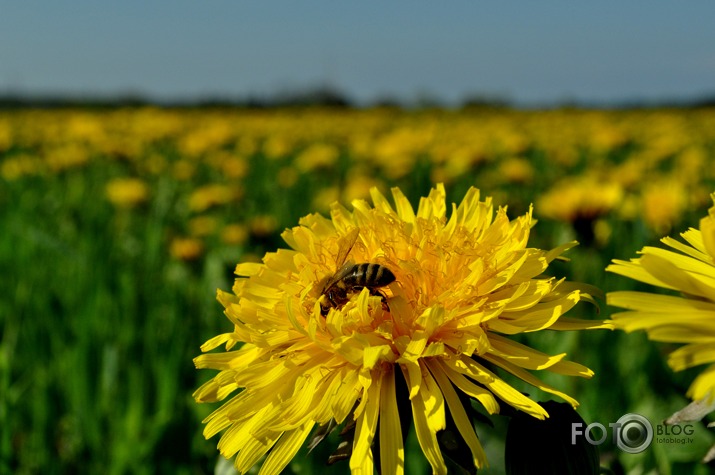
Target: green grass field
[[105, 301]]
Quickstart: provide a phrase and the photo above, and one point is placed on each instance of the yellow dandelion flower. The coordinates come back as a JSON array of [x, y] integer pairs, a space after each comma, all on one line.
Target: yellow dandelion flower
[[263, 225], [517, 170], [287, 177], [319, 155], [66, 156], [322, 197], [663, 203], [209, 196], [20, 165], [184, 169], [359, 186], [126, 192], [186, 249], [424, 301], [234, 234], [584, 197], [688, 319], [202, 226]]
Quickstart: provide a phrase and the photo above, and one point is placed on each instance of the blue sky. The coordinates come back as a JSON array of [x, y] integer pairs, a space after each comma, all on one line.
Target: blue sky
[[529, 52]]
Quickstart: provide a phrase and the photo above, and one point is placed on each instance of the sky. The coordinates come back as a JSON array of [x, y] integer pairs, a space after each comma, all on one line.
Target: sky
[[527, 52]]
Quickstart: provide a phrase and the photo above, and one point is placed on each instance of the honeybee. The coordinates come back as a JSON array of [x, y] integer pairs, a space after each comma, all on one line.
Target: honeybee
[[351, 277]]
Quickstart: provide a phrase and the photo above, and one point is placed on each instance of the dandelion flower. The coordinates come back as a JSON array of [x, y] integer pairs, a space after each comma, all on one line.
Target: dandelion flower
[[186, 248], [463, 284], [584, 198], [209, 196], [689, 318], [126, 192]]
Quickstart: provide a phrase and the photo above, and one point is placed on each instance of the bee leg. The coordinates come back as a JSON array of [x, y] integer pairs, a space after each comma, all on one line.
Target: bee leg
[[375, 292]]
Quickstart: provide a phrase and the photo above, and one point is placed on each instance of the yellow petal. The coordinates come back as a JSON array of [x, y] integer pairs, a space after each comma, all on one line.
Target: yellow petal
[[634, 270], [685, 332], [685, 249], [422, 404], [466, 386], [344, 400], [284, 450], [631, 321], [707, 228], [361, 460], [404, 208], [392, 452], [460, 417], [433, 207], [692, 355], [571, 324], [703, 387], [501, 389], [656, 303], [683, 273], [529, 378]]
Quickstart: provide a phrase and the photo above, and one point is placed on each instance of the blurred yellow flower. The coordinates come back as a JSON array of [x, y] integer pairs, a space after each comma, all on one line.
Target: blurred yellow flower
[[184, 169], [689, 318], [287, 177], [516, 170], [324, 196], [276, 147], [208, 196], [358, 188], [126, 192], [186, 249], [234, 234], [6, 138], [320, 155], [66, 156], [463, 284], [263, 225], [663, 203], [232, 167], [202, 226], [580, 197], [19, 166]]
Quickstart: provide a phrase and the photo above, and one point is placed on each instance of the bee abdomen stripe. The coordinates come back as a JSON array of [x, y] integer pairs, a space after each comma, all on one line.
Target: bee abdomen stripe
[[379, 271], [371, 272]]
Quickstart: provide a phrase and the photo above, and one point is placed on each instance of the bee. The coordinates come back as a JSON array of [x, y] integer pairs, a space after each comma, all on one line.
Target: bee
[[350, 277]]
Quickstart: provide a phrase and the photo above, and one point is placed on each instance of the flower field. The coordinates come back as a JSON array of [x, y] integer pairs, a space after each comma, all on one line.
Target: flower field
[[120, 224]]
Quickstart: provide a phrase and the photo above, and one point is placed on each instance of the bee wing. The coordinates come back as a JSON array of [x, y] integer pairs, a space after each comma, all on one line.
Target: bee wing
[[341, 266], [342, 272], [346, 244]]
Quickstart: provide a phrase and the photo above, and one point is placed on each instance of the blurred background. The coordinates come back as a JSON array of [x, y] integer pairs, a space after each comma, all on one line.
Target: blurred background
[[147, 147]]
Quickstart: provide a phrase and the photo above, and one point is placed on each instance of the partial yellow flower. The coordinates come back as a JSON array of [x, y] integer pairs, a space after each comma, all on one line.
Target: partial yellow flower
[[663, 203], [585, 197], [463, 284], [263, 225], [186, 249], [319, 155], [688, 318], [66, 156], [517, 170], [208, 196], [202, 226], [126, 192], [20, 165], [234, 234]]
